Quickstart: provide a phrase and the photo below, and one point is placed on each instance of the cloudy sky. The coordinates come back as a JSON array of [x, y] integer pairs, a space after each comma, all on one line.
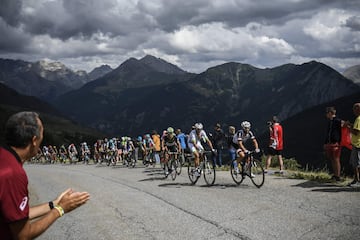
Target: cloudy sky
[[193, 34]]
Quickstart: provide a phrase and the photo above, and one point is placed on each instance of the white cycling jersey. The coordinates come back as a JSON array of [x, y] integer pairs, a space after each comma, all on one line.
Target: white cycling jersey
[[195, 140]]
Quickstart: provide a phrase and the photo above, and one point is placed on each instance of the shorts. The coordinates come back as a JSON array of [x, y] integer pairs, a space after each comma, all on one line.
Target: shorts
[[172, 148], [355, 157], [332, 150], [193, 148], [274, 152]]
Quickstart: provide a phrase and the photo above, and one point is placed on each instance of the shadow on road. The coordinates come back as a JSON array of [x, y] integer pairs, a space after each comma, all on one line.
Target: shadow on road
[[338, 189], [220, 186], [326, 187]]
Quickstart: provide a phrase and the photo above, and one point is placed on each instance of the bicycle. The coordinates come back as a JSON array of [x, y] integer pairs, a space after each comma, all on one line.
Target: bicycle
[[129, 159], [111, 158], [149, 159], [173, 164], [206, 168], [250, 167]]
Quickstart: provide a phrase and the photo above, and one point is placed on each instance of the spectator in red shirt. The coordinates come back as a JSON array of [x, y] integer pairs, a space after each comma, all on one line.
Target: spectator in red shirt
[[23, 135], [276, 143]]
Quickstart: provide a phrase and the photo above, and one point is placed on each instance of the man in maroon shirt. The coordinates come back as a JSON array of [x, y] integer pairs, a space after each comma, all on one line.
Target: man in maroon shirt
[[23, 135]]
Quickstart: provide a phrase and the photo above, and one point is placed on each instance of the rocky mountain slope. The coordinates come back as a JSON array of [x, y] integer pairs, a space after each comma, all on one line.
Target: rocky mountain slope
[[58, 129], [353, 73]]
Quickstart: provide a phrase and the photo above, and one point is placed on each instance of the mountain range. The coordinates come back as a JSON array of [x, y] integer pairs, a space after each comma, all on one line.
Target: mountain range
[[136, 97], [45, 79]]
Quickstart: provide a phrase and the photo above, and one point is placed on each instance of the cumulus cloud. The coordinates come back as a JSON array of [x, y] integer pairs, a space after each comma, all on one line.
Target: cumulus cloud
[[194, 34]]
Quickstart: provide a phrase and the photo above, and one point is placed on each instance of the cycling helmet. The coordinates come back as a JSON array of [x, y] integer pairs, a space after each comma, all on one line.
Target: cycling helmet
[[147, 136], [245, 124], [198, 126], [170, 130], [139, 138]]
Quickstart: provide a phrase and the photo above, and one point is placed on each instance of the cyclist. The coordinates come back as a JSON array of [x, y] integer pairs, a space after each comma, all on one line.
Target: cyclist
[[243, 139], [97, 146], [138, 144], [196, 136], [72, 153], [46, 154], [85, 152], [52, 154], [63, 153], [170, 143], [148, 145], [111, 151]]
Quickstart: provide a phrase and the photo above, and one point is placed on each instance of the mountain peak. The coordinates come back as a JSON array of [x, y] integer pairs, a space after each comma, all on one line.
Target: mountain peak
[[100, 71], [161, 65], [50, 66]]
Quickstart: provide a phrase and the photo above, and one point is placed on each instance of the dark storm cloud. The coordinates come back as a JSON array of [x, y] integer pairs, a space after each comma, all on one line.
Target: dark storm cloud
[[10, 11], [353, 23], [194, 34]]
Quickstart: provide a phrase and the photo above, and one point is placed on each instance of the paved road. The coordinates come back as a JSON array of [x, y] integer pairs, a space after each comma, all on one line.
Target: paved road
[[139, 204]]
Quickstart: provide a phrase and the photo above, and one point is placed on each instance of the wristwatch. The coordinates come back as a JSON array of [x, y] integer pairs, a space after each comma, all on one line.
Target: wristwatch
[[51, 205]]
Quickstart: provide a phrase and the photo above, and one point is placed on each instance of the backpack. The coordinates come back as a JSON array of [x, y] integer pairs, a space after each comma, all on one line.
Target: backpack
[[345, 137]]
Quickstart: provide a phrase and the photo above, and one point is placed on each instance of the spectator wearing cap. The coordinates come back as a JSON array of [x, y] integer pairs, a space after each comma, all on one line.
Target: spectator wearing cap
[[219, 141]]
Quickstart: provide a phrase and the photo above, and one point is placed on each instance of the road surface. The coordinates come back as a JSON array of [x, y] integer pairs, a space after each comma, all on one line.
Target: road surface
[[140, 204]]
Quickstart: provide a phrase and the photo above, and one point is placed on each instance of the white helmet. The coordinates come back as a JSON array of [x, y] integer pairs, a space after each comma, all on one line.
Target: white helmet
[[245, 124], [198, 126]]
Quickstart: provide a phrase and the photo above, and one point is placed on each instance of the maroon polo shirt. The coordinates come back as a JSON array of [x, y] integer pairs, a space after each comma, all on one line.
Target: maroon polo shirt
[[14, 197]]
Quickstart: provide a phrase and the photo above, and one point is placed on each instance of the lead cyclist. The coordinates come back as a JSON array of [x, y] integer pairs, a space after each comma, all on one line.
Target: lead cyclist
[[194, 142]]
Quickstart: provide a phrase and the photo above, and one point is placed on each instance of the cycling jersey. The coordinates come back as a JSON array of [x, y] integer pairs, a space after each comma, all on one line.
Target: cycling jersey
[[149, 143], [243, 136], [195, 140], [171, 143]]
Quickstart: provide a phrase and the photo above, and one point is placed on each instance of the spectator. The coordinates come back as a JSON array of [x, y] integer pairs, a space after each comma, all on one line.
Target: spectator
[[355, 141], [23, 135], [218, 139], [231, 146], [157, 145], [275, 144], [182, 139], [332, 141]]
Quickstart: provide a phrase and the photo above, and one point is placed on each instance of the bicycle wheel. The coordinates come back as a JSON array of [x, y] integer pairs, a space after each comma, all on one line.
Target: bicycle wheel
[[209, 172], [257, 173], [178, 166], [236, 172], [172, 169], [191, 173]]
